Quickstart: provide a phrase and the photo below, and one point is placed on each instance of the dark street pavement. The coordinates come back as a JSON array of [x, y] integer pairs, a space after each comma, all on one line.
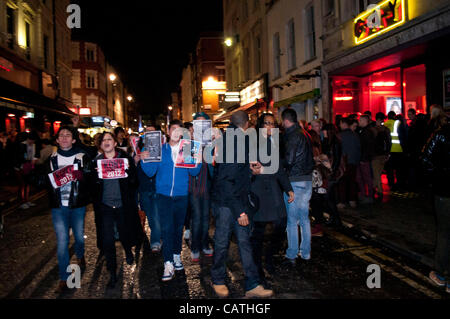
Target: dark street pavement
[[337, 269]]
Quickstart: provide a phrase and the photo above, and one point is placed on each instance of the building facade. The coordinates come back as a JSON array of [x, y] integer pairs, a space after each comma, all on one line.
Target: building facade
[[246, 59], [295, 55], [35, 63], [385, 56], [187, 87]]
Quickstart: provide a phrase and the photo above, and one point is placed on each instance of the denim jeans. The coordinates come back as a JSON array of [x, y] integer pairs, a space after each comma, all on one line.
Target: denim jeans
[[199, 222], [148, 205], [172, 214], [63, 219], [298, 214], [226, 223], [442, 261]]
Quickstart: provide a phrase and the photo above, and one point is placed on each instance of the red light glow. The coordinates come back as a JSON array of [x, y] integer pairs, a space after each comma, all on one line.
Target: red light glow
[[378, 84], [343, 98]]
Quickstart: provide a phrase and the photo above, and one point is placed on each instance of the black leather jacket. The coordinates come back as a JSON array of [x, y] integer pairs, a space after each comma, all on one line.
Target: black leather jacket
[[436, 160], [298, 155], [80, 191]]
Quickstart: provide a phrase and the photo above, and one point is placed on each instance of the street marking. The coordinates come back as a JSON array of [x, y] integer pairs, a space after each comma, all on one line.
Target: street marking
[[361, 251]]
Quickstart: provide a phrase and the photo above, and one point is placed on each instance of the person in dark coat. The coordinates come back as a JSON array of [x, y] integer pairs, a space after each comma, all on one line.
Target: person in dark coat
[[269, 188], [116, 200]]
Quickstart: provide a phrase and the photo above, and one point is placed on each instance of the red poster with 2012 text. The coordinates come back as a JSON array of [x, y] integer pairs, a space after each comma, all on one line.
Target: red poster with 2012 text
[[112, 168], [63, 176]]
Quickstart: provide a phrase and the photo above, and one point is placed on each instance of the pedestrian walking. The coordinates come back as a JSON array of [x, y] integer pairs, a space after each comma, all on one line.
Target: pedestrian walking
[[382, 148], [115, 198], [364, 171], [232, 211], [351, 150], [436, 159], [272, 211], [69, 199], [171, 197], [299, 165]]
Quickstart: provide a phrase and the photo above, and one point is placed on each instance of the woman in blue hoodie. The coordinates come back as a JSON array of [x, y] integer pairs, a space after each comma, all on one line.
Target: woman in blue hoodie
[[171, 198]]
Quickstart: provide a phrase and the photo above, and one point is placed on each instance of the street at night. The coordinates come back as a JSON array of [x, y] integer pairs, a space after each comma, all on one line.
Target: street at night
[[217, 158]]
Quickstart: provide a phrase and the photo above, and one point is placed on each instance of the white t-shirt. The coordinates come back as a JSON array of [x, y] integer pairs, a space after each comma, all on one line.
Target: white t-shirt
[[65, 190]]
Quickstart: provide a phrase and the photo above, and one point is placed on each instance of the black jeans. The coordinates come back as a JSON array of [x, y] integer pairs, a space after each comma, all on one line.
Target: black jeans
[[274, 245], [396, 170], [98, 225], [442, 206], [109, 216], [321, 203], [200, 206]]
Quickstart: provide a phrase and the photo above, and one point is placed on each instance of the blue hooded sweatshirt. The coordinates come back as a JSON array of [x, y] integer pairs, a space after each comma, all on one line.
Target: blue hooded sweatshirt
[[170, 180]]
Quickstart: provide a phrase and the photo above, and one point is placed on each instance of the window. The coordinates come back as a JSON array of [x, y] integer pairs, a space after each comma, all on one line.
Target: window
[[247, 63], [10, 26], [220, 72], [90, 53], [290, 37], [258, 54], [276, 55], [310, 34], [90, 79], [28, 39], [328, 7], [45, 51]]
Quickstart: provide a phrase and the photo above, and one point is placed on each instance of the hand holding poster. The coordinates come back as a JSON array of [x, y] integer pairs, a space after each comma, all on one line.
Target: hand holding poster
[[134, 140], [63, 176], [152, 144], [202, 131], [112, 168], [189, 154]]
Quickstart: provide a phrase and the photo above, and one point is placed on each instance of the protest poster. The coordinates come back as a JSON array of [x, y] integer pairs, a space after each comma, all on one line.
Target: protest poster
[[63, 176], [112, 168], [203, 131], [188, 154], [152, 143], [134, 140]]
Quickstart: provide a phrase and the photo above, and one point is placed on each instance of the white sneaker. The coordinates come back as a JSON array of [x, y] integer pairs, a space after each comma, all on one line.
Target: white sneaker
[[31, 204], [187, 234], [169, 272], [24, 206], [195, 256], [177, 262], [208, 252]]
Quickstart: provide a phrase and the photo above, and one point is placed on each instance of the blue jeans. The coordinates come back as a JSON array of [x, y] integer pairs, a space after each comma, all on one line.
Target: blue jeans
[[65, 218], [172, 213], [199, 222], [148, 205], [298, 214], [226, 223]]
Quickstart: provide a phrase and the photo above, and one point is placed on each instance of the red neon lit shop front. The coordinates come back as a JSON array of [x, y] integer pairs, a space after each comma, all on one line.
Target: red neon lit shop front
[[397, 89]]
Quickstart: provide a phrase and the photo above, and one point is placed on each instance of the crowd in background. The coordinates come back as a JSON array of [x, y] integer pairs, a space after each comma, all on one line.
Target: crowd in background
[[324, 167]]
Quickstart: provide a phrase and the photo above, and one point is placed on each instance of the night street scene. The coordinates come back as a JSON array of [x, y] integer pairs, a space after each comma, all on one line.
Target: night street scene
[[225, 157]]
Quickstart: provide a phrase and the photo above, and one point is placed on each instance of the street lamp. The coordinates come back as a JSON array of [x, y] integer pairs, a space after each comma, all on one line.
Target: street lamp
[[112, 77], [129, 98], [228, 42]]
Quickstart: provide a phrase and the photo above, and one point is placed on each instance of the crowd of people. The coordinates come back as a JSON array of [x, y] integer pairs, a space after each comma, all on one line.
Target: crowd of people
[[323, 168]]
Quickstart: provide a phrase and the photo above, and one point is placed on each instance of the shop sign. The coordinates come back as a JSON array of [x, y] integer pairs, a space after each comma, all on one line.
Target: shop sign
[[5, 64], [232, 97], [98, 119], [252, 92], [378, 19]]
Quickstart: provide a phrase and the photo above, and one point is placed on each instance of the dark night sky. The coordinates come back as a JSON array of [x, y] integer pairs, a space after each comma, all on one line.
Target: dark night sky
[[148, 41]]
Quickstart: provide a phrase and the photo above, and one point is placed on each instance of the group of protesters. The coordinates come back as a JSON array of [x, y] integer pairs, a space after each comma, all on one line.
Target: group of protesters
[[322, 167]]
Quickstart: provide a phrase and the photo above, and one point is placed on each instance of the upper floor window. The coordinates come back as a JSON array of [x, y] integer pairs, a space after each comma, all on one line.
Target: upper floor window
[[90, 79], [276, 55], [90, 53], [290, 40], [310, 33], [258, 54]]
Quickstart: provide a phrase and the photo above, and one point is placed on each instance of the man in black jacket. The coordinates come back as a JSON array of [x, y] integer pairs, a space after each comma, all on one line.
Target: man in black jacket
[[436, 160], [364, 171], [231, 186], [69, 196], [299, 164]]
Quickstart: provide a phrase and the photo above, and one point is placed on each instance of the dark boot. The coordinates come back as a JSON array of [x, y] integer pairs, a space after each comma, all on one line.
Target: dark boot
[[62, 287], [81, 262], [129, 257]]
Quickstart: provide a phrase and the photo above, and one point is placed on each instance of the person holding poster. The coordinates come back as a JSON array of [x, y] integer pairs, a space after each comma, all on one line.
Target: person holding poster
[[68, 172], [115, 188], [171, 197]]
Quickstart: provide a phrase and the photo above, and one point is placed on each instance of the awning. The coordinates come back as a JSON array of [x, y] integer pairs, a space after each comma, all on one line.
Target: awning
[[298, 98], [227, 115], [12, 93]]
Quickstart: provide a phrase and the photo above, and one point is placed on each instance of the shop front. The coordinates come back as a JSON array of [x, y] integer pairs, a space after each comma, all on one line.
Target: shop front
[[398, 66]]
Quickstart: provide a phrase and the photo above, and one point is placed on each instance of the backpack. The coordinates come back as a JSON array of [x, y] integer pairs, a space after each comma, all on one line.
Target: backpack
[[382, 141]]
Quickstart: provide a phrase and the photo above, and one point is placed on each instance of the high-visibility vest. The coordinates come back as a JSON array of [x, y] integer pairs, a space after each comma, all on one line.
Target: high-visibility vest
[[393, 125]]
